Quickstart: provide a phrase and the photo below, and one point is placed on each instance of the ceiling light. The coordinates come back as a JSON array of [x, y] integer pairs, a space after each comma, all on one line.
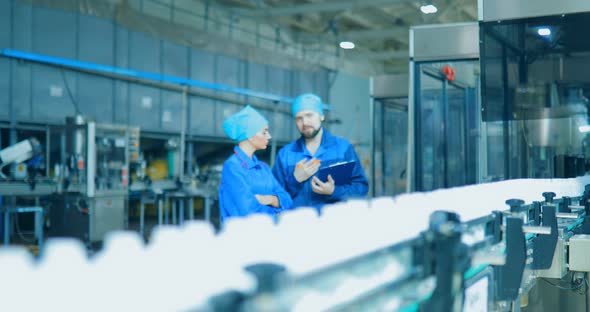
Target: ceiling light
[[544, 31], [428, 9], [347, 45], [584, 129]]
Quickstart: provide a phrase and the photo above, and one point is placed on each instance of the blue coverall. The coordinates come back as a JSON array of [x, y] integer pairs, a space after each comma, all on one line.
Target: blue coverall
[[241, 179], [332, 149]]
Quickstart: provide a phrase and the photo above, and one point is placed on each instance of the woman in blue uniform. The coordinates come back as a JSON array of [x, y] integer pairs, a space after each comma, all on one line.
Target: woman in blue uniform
[[247, 184]]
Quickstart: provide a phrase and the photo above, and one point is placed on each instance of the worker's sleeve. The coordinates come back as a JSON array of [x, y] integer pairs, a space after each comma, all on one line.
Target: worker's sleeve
[[285, 176], [238, 197], [358, 186], [285, 201]]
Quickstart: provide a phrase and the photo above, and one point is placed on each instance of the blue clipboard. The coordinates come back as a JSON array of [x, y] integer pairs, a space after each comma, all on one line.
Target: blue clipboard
[[341, 172]]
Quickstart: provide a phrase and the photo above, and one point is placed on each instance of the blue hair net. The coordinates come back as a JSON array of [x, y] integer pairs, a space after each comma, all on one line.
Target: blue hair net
[[307, 101], [244, 124]]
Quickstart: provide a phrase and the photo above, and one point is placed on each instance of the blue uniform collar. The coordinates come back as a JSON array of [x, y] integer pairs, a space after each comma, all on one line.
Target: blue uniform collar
[[327, 140], [246, 161]]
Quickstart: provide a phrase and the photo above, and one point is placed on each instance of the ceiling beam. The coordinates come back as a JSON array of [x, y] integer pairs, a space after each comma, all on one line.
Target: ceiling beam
[[320, 7], [359, 35], [379, 30], [451, 11], [377, 56], [470, 12]]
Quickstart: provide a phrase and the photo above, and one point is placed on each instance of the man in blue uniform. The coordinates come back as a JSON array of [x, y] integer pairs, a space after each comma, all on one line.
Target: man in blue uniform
[[299, 161], [247, 184]]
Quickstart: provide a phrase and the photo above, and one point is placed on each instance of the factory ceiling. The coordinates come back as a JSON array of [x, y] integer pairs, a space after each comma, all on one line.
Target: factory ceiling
[[289, 33], [378, 28]]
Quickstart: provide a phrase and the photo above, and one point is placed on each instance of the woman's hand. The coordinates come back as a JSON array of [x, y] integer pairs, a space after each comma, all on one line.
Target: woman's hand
[[268, 200]]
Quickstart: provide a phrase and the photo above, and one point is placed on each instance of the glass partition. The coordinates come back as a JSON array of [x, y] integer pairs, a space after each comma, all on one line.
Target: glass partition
[[447, 124], [535, 89], [430, 128], [391, 148], [456, 135]]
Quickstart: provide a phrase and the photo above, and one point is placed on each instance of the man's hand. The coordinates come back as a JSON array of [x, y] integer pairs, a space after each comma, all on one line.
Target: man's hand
[[305, 169], [323, 188], [268, 200]]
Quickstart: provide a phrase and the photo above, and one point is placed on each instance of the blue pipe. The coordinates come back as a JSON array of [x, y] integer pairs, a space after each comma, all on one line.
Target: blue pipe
[[73, 64]]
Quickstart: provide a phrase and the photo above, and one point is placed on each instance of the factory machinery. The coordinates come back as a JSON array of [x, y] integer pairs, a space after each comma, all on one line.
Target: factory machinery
[[20, 168], [100, 170], [517, 245], [86, 197], [92, 184]]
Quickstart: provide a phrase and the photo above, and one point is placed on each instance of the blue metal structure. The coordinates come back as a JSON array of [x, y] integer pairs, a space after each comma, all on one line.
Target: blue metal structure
[[79, 65]]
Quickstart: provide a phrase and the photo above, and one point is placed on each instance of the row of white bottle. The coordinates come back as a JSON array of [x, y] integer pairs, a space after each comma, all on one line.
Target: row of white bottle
[[182, 267]]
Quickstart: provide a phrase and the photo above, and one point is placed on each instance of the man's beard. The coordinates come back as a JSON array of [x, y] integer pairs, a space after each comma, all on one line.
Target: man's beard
[[311, 135]]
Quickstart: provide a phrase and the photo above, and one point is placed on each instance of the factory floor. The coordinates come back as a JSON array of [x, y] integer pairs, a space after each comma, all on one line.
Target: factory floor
[[23, 235], [556, 295], [152, 221], [28, 242], [151, 218]]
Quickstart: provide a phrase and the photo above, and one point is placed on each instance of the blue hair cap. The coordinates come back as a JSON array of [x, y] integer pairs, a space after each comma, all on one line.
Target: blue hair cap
[[244, 124], [307, 101]]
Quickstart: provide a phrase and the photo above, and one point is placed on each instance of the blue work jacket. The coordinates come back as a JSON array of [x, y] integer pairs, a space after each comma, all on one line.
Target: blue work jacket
[[332, 149], [242, 178]]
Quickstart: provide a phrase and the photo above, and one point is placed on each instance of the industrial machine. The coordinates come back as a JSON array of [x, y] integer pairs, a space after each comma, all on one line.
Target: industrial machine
[[17, 154], [20, 167], [93, 186], [23, 161]]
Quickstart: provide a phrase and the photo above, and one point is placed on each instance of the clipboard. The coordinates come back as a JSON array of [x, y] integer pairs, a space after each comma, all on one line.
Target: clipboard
[[341, 172]]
